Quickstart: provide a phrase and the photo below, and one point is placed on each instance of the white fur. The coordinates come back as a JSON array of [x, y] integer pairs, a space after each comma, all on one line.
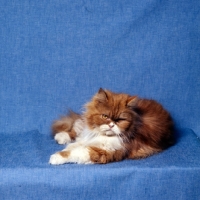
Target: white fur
[[57, 159], [105, 137], [62, 138], [101, 139], [79, 126], [78, 155]]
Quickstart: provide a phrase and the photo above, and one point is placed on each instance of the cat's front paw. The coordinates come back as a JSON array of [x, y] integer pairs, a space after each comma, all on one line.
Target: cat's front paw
[[62, 138], [56, 159]]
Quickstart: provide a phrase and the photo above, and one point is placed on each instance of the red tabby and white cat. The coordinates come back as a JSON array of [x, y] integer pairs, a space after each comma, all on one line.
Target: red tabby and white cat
[[112, 128]]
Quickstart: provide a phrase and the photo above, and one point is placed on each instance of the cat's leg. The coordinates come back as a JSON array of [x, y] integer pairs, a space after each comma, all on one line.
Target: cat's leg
[[67, 128], [77, 153], [74, 153], [101, 156], [86, 155]]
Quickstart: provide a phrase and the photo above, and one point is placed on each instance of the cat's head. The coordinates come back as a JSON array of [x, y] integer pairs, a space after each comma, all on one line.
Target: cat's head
[[110, 113]]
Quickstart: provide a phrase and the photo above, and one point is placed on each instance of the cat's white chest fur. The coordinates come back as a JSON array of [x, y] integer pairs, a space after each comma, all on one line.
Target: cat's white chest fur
[[96, 138], [103, 136]]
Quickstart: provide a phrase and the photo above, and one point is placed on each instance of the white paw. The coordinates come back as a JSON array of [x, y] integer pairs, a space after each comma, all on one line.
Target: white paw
[[56, 159], [62, 138]]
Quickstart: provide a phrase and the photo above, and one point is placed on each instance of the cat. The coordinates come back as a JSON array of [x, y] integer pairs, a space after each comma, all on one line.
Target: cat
[[114, 127]]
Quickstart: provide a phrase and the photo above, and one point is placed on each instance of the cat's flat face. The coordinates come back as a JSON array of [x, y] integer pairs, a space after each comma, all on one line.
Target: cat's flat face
[[109, 112]]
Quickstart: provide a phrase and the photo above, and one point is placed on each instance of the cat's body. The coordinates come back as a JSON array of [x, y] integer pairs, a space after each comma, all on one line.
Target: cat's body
[[114, 127]]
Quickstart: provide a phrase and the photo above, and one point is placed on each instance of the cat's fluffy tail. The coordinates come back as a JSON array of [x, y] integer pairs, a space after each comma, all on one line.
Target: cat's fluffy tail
[[65, 123]]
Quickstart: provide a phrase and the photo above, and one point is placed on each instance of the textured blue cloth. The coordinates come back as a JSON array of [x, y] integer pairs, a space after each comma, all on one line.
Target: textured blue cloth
[[26, 174], [55, 55]]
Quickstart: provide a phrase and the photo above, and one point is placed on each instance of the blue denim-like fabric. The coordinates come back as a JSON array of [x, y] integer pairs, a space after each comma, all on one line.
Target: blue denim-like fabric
[[54, 55], [26, 174]]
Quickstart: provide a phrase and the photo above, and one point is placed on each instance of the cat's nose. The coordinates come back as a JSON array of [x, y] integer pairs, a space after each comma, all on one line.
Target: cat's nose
[[111, 125]]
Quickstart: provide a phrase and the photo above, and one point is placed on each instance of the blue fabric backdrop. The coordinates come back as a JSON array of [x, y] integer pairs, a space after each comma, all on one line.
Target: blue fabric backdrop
[[26, 174], [54, 55]]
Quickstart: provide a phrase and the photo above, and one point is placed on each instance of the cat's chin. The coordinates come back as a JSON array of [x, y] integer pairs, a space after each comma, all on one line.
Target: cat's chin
[[110, 133]]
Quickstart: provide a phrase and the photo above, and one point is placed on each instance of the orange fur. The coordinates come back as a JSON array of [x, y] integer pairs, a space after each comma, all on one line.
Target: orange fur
[[64, 154], [100, 156]]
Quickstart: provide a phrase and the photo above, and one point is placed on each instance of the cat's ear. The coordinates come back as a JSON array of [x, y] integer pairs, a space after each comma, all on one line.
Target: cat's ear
[[101, 96], [132, 101]]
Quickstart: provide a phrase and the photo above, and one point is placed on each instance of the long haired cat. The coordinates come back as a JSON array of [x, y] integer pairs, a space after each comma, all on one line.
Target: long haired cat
[[112, 128]]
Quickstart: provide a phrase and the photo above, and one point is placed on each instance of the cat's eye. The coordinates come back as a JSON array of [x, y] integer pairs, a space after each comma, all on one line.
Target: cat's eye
[[120, 120], [104, 116]]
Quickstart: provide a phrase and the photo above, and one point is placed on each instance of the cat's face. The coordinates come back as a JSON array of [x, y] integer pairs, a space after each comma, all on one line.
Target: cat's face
[[110, 113]]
